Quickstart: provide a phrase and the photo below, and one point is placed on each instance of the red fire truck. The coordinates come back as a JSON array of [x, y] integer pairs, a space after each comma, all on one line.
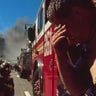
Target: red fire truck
[[44, 68]]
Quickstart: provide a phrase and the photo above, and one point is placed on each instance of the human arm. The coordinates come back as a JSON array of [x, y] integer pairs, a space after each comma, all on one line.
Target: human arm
[[66, 70]]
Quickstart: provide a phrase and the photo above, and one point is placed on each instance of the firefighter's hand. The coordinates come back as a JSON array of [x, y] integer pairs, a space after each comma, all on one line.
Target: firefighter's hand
[[59, 39]]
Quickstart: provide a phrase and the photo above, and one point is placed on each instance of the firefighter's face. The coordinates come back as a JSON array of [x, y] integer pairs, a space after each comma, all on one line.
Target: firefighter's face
[[77, 23], [2, 94]]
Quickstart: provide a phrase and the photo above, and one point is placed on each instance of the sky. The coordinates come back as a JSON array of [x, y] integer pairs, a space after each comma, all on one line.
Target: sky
[[12, 10]]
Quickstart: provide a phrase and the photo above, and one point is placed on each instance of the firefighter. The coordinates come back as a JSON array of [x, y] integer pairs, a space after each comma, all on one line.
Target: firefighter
[[6, 82], [73, 42]]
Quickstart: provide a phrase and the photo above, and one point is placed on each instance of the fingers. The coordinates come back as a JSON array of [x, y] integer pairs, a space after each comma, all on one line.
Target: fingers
[[54, 42], [59, 32], [59, 28], [59, 39]]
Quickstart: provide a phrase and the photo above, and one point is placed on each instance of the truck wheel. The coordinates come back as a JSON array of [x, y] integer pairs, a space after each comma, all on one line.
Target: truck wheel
[[37, 83]]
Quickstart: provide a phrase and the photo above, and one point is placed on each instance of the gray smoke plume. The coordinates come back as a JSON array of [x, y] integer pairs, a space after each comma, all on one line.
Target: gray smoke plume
[[15, 39], [2, 45]]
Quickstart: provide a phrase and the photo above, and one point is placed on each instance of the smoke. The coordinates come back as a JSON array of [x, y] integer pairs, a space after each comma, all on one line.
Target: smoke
[[14, 40], [2, 45]]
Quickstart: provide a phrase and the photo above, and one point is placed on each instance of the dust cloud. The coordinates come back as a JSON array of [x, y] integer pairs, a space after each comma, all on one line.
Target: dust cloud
[[12, 42]]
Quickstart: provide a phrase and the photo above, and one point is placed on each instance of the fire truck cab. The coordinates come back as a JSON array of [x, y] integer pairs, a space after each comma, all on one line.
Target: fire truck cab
[[44, 69]]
